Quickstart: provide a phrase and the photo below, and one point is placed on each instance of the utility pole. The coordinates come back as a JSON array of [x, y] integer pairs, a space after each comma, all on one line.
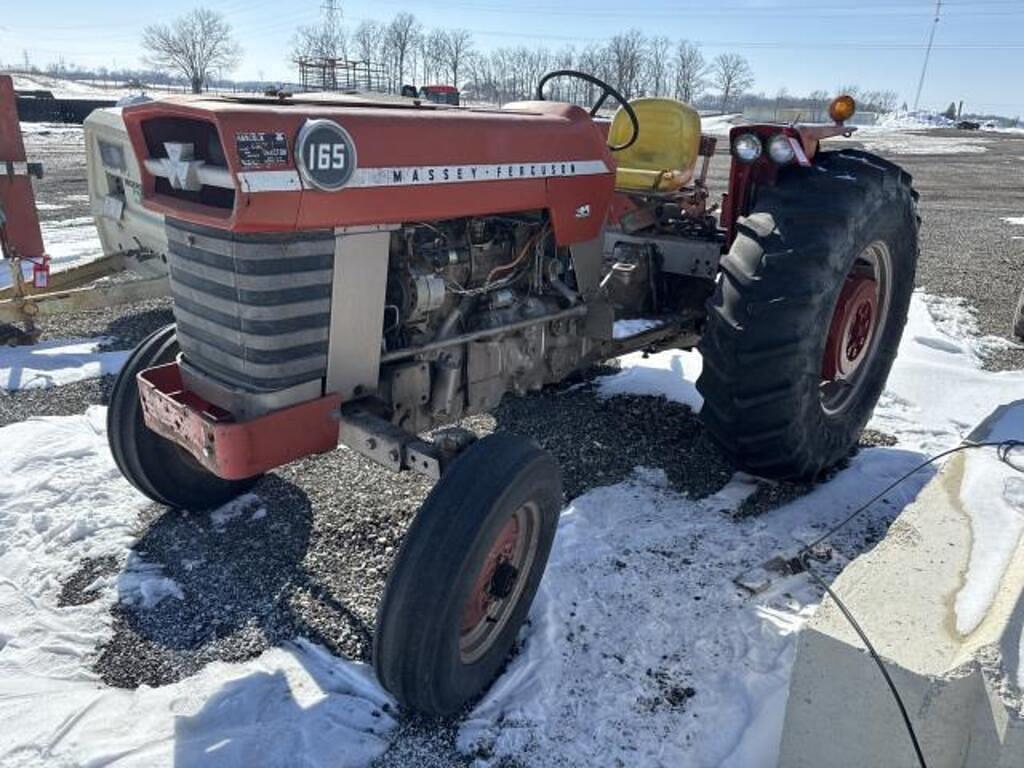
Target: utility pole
[[928, 53], [330, 14]]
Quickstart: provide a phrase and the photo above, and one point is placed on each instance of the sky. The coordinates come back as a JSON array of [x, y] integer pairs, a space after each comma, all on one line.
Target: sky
[[793, 44]]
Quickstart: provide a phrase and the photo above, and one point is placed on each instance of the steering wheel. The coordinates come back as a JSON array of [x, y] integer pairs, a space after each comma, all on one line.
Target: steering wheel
[[606, 91]]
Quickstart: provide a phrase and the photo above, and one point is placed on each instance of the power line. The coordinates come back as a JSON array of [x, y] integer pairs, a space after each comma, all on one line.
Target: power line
[[928, 53]]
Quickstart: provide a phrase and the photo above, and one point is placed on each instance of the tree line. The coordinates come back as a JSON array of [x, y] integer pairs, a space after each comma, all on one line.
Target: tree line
[[200, 49], [635, 64]]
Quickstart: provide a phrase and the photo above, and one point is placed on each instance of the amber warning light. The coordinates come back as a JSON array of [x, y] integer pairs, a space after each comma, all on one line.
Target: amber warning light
[[842, 108]]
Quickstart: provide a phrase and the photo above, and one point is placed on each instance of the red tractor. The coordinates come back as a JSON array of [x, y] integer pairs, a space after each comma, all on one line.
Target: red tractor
[[348, 271]]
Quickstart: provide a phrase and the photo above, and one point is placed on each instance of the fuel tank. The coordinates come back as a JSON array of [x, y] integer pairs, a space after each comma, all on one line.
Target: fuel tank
[[315, 162]]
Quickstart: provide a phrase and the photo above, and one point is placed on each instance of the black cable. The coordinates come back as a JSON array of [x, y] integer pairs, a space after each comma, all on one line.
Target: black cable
[[1003, 450], [878, 662]]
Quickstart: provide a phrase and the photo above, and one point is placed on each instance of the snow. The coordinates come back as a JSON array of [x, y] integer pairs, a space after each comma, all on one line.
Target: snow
[[640, 650], [69, 89], [248, 503], [56, 362], [623, 329], [913, 121], [145, 585], [992, 492], [719, 125], [669, 374], [62, 500], [1017, 221], [920, 144]]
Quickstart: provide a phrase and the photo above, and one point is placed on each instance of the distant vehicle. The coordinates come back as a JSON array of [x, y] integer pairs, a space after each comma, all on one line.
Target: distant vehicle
[[968, 125], [440, 94]]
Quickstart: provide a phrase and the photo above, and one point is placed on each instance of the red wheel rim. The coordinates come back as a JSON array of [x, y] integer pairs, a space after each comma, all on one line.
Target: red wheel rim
[[858, 322], [853, 326], [499, 583]]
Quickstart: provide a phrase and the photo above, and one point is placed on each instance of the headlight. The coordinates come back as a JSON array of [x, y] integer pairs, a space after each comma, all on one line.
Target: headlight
[[780, 149], [747, 147]]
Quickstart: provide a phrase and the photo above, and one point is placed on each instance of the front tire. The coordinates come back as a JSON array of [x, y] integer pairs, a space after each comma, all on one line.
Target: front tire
[[797, 349], [466, 574], [158, 468]]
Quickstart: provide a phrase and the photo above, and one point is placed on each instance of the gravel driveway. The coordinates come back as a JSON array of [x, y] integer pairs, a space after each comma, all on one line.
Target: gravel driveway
[[309, 553]]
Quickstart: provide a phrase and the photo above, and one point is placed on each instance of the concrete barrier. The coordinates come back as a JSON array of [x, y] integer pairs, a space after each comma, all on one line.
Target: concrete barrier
[[955, 658]]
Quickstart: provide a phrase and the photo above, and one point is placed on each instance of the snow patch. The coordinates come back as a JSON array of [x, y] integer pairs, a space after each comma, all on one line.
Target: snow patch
[[901, 120], [1015, 220], [939, 345], [144, 584], [57, 362], [921, 144], [671, 374], [623, 329], [719, 125], [992, 492], [248, 503]]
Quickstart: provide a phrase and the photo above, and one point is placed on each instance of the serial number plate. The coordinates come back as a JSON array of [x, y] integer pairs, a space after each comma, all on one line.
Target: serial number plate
[[261, 148]]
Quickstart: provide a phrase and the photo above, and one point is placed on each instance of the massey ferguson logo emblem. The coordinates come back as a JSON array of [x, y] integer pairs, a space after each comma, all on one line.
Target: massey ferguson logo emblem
[[325, 155]]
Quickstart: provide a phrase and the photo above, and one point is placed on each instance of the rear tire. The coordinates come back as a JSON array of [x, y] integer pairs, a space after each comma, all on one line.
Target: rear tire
[[768, 321], [158, 468], [466, 574]]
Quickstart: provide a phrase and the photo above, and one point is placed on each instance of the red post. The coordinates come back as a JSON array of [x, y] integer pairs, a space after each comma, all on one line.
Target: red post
[[21, 239]]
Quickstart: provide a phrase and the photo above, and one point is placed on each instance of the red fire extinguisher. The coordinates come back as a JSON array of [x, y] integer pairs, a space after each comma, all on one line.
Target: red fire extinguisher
[[41, 272]]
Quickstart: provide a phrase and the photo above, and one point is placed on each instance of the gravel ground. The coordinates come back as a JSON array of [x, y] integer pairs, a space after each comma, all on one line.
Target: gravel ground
[[315, 563]]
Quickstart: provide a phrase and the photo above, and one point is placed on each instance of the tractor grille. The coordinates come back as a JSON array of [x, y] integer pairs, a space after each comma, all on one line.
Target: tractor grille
[[252, 311]]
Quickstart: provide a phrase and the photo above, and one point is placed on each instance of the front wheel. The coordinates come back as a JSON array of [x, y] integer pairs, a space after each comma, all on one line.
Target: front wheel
[[466, 574], [807, 314], [161, 470]]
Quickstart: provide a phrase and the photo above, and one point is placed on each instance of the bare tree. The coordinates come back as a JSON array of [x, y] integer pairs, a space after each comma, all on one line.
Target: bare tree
[[658, 64], [194, 46], [458, 45], [887, 101], [401, 37], [326, 40], [731, 75], [691, 71], [368, 40], [626, 57], [433, 50]]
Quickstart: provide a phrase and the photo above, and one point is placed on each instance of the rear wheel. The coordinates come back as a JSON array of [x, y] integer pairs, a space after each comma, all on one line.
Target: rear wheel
[[157, 467], [466, 574], [807, 315]]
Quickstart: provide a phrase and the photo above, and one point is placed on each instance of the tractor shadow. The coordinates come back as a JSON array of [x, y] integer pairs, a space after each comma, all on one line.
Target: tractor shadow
[[222, 586], [127, 330], [599, 440]]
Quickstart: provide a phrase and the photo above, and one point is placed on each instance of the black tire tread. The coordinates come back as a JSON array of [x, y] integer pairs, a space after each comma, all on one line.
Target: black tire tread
[[409, 644], [157, 468], [763, 340]]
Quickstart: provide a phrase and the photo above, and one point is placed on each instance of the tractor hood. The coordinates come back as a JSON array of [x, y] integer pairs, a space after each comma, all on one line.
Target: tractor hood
[[316, 162]]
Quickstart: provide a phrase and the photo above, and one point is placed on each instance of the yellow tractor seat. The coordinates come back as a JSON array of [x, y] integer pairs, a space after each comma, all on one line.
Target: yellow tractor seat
[[664, 155]]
